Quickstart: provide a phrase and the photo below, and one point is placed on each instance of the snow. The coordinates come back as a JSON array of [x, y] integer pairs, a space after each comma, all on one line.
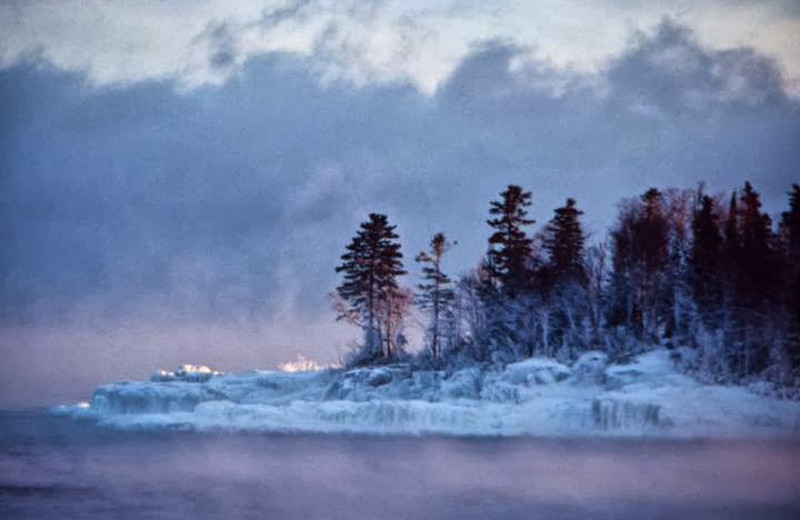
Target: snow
[[648, 397]]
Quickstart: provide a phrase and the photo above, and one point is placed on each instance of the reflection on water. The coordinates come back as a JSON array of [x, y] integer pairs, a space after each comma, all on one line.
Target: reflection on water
[[53, 468]]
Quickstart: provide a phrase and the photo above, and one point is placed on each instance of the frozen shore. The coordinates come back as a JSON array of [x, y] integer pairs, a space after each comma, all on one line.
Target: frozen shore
[[648, 397]]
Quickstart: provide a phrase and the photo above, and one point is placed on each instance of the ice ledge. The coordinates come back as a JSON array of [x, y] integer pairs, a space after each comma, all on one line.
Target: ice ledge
[[533, 397]]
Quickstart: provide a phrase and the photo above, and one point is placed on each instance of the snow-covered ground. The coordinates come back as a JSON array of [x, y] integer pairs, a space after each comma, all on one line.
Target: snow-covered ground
[[648, 397]]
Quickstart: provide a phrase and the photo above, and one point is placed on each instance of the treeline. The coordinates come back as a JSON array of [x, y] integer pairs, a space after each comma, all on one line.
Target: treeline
[[710, 277]]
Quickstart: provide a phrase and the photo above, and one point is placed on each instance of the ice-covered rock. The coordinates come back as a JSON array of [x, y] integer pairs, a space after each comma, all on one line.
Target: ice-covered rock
[[276, 386], [648, 396], [379, 376], [590, 368], [139, 397], [538, 371], [426, 378], [463, 384], [496, 389], [364, 384]]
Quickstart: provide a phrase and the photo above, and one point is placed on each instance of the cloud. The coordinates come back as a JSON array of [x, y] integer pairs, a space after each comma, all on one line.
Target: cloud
[[152, 206], [671, 71], [120, 43], [141, 191], [298, 9]]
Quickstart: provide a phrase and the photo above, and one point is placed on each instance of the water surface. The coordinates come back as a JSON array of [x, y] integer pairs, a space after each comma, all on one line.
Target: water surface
[[52, 467]]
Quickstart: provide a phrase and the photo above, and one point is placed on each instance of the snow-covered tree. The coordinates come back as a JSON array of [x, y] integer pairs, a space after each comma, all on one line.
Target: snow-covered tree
[[597, 273], [436, 294], [708, 278]]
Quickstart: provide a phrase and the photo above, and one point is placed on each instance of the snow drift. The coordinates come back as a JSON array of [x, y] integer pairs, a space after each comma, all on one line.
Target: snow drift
[[533, 397]]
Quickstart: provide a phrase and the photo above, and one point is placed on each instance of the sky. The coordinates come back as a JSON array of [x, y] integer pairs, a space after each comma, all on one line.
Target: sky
[[179, 178]]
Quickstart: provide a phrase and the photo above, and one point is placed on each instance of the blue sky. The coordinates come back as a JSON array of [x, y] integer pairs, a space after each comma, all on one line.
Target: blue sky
[[177, 180]]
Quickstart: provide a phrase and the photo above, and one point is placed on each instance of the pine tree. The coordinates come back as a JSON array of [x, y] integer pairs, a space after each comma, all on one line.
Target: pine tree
[[749, 294], [371, 265], [790, 239], [790, 278], [732, 242], [730, 263], [563, 285], [706, 258], [565, 244], [435, 293], [651, 237], [790, 226], [510, 248], [756, 256], [651, 232]]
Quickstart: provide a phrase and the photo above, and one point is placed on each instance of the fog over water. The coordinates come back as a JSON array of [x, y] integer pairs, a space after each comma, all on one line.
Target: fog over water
[[51, 467]]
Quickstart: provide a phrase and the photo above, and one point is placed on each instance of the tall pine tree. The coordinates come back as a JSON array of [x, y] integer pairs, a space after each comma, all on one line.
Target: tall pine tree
[[566, 291], [565, 244], [371, 265], [706, 260], [510, 247], [756, 266], [790, 278], [790, 227]]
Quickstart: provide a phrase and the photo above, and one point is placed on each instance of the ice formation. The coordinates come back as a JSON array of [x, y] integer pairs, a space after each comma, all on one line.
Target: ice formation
[[649, 396], [188, 372]]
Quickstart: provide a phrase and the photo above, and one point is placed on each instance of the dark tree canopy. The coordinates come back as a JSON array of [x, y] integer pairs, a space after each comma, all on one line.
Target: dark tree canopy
[[790, 224], [565, 243], [790, 244], [510, 247], [755, 234], [650, 232], [706, 260]]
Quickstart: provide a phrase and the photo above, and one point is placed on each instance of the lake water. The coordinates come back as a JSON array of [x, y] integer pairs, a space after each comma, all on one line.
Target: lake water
[[52, 467]]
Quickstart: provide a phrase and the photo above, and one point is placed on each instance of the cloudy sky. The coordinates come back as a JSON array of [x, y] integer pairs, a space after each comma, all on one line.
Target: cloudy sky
[[178, 178]]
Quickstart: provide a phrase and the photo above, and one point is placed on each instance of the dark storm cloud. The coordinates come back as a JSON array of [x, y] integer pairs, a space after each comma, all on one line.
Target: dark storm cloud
[[670, 72], [221, 201], [223, 46], [120, 192]]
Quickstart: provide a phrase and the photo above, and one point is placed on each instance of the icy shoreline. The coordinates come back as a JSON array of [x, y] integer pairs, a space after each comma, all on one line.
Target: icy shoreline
[[537, 397]]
